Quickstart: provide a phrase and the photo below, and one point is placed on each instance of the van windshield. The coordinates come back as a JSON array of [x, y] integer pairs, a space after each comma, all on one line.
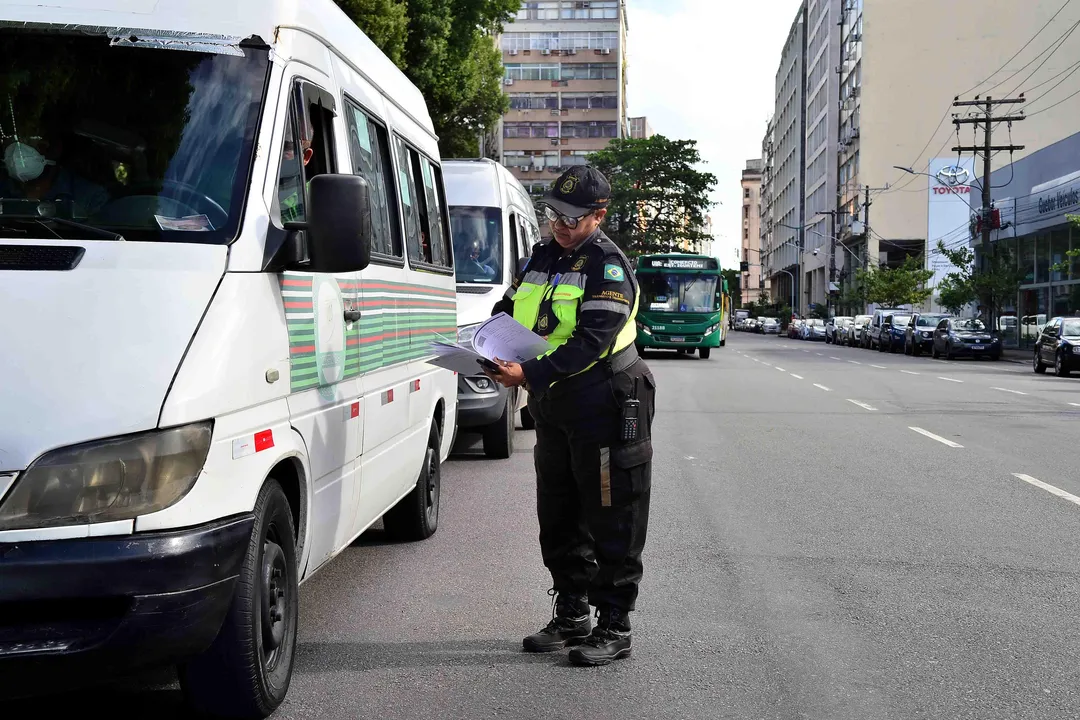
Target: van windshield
[[147, 143], [478, 250]]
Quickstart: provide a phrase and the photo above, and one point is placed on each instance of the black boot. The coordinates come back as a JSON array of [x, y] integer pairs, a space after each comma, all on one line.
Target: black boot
[[610, 639], [569, 624]]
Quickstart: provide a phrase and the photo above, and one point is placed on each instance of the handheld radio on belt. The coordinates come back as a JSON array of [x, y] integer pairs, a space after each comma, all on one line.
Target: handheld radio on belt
[[631, 416]]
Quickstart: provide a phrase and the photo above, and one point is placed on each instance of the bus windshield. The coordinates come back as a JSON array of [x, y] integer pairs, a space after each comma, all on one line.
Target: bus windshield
[[477, 235], [678, 292]]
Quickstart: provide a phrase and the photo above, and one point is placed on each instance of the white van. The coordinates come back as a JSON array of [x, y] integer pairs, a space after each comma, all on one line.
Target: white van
[[224, 251], [495, 228]]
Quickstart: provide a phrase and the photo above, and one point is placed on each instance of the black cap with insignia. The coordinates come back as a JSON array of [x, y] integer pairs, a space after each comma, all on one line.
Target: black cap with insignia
[[578, 191]]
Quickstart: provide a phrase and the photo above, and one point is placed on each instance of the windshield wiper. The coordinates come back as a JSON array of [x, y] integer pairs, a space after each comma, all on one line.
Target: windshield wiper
[[100, 232]]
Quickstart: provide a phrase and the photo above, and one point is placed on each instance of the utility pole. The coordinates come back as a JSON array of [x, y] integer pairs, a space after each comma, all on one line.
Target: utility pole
[[866, 229], [987, 150]]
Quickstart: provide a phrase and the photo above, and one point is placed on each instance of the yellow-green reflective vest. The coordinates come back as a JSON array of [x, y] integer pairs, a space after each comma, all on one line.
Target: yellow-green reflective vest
[[565, 300]]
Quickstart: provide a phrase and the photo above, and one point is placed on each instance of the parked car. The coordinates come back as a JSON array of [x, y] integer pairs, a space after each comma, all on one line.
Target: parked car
[[759, 324], [1058, 346], [965, 336], [854, 333], [794, 330], [814, 329], [919, 334], [873, 329], [893, 330], [770, 326], [832, 327]]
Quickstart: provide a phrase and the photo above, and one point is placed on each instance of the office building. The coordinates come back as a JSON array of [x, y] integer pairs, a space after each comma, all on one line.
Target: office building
[[750, 283], [640, 128], [783, 172], [565, 73]]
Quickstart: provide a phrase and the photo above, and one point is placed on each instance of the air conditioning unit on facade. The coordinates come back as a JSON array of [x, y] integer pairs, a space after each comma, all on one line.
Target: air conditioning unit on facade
[[508, 81], [572, 51], [554, 112], [513, 52], [545, 52], [605, 51]]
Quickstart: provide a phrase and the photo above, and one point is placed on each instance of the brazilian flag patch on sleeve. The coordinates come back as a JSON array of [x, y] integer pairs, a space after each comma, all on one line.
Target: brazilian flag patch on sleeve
[[614, 273]]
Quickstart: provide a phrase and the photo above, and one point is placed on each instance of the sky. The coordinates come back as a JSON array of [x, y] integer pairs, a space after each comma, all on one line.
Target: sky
[[705, 70]]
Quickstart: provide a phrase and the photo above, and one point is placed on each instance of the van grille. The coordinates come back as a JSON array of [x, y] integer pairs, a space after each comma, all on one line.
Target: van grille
[[474, 289], [39, 257]]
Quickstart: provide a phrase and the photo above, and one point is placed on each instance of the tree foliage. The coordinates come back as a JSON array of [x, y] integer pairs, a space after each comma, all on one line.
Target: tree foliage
[[658, 196], [893, 287], [954, 296], [994, 284], [447, 49]]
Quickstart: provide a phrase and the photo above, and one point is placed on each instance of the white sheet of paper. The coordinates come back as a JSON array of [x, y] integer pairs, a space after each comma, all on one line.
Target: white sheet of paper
[[456, 358], [505, 338]]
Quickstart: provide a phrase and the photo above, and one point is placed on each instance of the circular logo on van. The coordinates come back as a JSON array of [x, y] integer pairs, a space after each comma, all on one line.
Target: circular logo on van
[[329, 309]]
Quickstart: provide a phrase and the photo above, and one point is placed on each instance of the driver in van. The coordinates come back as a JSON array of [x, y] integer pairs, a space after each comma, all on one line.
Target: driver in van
[[34, 172], [474, 265]]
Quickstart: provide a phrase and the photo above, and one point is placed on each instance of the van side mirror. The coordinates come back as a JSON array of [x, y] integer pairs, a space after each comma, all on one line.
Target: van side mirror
[[338, 229]]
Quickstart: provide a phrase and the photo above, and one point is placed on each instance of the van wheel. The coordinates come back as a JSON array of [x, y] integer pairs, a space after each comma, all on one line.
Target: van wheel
[[499, 436], [416, 517], [246, 671], [704, 353], [527, 420]]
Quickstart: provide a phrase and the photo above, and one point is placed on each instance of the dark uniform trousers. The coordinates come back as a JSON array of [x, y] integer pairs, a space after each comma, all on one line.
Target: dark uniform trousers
[[593, 489]]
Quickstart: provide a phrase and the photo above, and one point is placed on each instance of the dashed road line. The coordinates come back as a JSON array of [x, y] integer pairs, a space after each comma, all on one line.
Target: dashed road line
[[932, 436], [863, 405], [950, 379], [1014, 392], [1048, 488], [822, 387], [797, 377], [1075, 404], [820, 354], [910, 372], [879, 367], [833, 358], [854, 362], [780, 369]]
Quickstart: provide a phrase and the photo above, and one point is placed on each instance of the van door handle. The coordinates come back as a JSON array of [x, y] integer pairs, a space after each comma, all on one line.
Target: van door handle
[[351, 315]]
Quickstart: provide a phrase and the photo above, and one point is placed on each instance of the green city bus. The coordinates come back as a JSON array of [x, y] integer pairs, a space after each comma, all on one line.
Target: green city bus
[[684, 303]]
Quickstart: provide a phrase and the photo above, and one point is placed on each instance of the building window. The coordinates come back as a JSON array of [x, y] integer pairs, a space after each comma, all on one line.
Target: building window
[[571, 158], [548, 10], [745, 211], [745, 234], [746, 192], [590, 129], [537, 71], [554, 41], [590, 101], [585, 10], [531, 130], [534, 101], [589, 71], [531, 159]]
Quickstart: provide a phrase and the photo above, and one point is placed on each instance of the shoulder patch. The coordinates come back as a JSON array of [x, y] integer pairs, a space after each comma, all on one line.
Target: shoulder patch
[[614, 273], [579, 264]]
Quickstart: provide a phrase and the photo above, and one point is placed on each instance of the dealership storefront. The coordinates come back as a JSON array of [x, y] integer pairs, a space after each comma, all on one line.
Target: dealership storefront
[[1035, 196]]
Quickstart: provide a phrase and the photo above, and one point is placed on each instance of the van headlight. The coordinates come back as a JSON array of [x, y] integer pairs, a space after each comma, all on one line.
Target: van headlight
[[465, 334], [108, 480]]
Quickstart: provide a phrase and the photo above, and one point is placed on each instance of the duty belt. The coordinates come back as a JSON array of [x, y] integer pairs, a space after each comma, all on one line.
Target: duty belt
[[606, 368]]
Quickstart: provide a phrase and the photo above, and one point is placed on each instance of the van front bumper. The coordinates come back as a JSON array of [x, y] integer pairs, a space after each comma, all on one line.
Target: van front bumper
[[126, 601], [477, 409]]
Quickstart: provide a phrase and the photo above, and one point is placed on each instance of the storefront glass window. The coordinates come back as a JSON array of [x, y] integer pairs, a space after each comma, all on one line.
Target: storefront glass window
[[1027, 259], [1059, 248], [1075, 274], [1042, 258], [1064, 299], [1032, 314]]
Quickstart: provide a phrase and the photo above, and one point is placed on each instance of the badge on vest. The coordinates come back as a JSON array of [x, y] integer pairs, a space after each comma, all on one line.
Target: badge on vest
[[614, 273], [542, 324], [579, 263]]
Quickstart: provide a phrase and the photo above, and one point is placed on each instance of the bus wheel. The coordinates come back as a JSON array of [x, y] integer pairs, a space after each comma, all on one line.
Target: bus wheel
[[705, 353], [247, 670]]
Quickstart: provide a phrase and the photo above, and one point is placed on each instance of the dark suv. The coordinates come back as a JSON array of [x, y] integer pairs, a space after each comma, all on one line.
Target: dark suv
[[1058, 346], [919, 336]]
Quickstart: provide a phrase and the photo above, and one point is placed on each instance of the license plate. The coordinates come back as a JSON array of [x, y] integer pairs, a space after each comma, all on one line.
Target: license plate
[[678, 339], [1077, 349], [976, 347]]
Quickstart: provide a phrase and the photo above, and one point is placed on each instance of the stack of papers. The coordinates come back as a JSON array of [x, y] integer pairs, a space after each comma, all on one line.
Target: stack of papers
[[501, 337]]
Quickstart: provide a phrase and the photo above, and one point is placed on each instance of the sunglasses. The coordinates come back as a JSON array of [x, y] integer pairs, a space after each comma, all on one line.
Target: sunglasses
[[570, 222]]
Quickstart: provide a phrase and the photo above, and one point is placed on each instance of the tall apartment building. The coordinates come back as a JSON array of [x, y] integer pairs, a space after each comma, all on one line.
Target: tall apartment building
[[783, 182], [750, 282], [565, 73], [893, 71], [640, 128]]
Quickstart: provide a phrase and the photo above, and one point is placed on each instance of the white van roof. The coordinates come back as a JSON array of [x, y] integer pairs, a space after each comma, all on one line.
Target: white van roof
[[232, 22], [475, 183]]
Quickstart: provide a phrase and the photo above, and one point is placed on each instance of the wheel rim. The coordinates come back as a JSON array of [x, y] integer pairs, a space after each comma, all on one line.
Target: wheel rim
[[431, 484], [1058, 365], [1035, 360], [276, 598]]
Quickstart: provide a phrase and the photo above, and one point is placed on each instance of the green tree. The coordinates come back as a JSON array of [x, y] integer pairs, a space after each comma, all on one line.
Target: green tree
[[734, 279], [447, 49], [954, 295], [994, 284], [658, 196], [893, 287]]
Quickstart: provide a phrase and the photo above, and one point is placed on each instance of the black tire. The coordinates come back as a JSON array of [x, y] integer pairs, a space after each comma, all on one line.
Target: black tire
[[949, 354], [704, 353], [1059, 365], [238, 676], [934, 352], [528, 422], [416, 517], [499, 436], [723, 342], [1037, 364], [916, 350], [908, 348]]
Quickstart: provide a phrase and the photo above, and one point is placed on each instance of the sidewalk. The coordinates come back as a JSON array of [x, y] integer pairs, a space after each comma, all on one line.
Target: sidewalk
[[1015, 355]]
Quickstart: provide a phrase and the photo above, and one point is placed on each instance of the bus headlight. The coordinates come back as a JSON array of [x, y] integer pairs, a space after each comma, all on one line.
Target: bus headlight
[[713, 329], [108, 480]]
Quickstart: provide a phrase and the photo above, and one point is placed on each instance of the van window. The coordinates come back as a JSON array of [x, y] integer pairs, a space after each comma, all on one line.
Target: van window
[[370, 154], [478, 249], [420, 185], [307, 150]]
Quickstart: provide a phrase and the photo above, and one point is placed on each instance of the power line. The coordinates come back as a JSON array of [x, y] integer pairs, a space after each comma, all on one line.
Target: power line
[[1059, 42], [1063, 100]]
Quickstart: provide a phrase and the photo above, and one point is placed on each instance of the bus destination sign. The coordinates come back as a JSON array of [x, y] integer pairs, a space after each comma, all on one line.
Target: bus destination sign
[[683, 263]]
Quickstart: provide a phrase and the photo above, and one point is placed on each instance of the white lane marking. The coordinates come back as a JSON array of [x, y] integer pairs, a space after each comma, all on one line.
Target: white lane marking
[[880, 367], [766, 364], [780, 369], [797, 377], [1075, 404], [820, 354], [950, 379], [1014, 392], [1048, 488], [822, 387], [806, 351], [910, 372], [854, 362], [833, 358], [863, 405], [932, 436]]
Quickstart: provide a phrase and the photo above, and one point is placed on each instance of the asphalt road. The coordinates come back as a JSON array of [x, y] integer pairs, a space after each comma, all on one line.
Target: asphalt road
[[835, 534]]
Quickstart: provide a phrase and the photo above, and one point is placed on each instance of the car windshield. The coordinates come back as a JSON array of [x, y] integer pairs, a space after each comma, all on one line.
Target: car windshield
[[901, 320], [679, 292], [1070, 326], [148, 143], [969, 325], [862, 319], [771, 321], [929, 320], [814, 322], [477, 233]]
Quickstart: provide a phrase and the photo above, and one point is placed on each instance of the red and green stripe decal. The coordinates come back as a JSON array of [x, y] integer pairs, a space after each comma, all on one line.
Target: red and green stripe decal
[[397, 323]]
